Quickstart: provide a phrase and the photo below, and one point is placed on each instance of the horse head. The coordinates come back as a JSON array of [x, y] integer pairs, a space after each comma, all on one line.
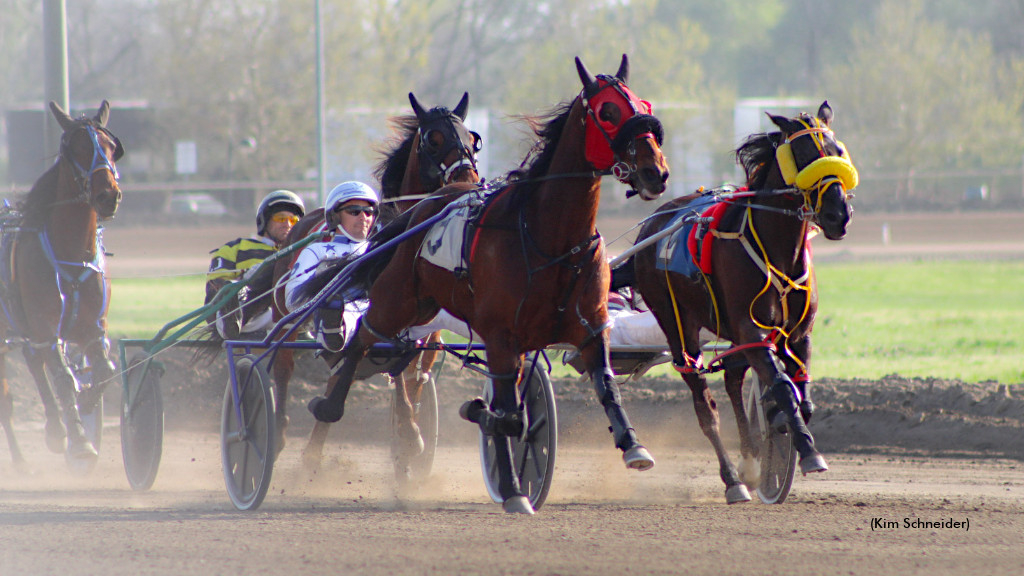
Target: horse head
[[445, 149], [819, 166], [622, 135], [91, 152]]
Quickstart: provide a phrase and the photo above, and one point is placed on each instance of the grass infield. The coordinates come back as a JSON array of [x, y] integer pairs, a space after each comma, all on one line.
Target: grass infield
[[945, 319]]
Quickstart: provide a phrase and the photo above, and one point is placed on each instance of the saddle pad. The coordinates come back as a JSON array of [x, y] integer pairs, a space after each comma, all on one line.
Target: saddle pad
[[700, 248], [674, 253], [442, 246]]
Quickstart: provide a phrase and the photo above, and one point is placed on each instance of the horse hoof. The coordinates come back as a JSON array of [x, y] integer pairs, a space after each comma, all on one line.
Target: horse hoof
[[813, 463], [82, 450], [518, 505], [470, 411], [638, 458], [736, 494], [320, 410]]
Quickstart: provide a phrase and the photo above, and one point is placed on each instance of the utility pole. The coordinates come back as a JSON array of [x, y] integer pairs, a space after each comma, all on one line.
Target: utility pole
[[55, 83]]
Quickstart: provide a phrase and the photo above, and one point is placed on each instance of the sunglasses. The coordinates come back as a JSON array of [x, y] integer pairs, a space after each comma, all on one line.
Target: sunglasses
[[280, 217], [357, 210]]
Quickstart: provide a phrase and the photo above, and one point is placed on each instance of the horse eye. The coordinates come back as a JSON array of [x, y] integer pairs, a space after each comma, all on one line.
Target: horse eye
[[432, 140], [609, 113], [478, 142]]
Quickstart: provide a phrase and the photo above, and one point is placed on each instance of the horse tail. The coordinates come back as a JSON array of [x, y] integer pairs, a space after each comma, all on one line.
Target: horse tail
[[212, 346]]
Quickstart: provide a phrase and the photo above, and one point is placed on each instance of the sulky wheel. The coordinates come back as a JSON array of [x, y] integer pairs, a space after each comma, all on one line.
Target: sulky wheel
[[247, 433], [776, 453], [412, 469], [142, 421], [534, 454]]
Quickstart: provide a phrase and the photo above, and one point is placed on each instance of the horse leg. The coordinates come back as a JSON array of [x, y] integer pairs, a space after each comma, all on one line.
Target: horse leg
[[749, 470], [707, 416], [798, 371], [7, 412], [284, 367], [103, 371], [595, 355], [79, 446], [502, 420], [787, 399], [312, 454], [56, 435]]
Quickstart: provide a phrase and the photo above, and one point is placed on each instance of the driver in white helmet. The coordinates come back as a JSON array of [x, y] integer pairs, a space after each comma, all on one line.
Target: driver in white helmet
[[237, 260], [350, 211]]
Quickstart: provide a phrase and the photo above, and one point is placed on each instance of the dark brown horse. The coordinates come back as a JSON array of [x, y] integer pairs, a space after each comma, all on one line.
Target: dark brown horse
[[430, 149], [536, 273], [759, 293], [55, 290]]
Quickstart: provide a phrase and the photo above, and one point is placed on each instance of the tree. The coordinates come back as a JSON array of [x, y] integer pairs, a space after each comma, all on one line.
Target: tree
[[916, 97]]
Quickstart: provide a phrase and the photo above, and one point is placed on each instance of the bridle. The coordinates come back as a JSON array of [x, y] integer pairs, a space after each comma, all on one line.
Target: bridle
[[456, 138], [613, 147], [818, 176], [100, 161]]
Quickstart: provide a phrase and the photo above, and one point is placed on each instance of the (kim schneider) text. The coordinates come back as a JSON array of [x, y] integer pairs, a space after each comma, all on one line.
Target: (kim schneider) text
[[920, 524]]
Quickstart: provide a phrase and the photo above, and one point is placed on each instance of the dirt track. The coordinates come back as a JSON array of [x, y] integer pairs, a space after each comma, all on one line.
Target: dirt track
[[928, 449]]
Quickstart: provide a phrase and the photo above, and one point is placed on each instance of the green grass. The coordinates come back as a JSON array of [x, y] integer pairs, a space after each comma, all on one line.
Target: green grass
[[139, 307], [947, 319]]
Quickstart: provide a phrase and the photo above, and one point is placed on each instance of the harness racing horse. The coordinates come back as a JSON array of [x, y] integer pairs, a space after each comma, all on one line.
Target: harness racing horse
[[536, 273], [54, 287], [759, 291], [430, 148]]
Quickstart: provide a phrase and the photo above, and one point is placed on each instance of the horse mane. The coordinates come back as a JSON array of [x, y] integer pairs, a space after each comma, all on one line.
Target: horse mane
[[757, 155], [397, 151], [42, 194], [548, 128]]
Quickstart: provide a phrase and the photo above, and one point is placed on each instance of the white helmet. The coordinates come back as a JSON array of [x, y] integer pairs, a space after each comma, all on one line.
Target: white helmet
[[348, 191], [275, 202]]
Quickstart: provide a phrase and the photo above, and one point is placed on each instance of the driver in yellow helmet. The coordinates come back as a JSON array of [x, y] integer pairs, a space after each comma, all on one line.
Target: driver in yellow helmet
[[275, 216]]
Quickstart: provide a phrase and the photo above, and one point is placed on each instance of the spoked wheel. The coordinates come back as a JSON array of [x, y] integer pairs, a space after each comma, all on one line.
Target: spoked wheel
[[534, 453], [413, 469], [776, 453], [142, 421], [247, 433]]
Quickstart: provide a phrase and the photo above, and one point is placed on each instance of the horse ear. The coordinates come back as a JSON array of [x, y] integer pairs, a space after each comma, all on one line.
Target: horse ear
[[623, 73], [825, 113], [785, 124], [103, 114], [420, 112], [65, 121], [462, 107], [589, 82]]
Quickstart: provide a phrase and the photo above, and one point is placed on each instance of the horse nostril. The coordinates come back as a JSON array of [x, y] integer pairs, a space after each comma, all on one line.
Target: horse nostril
[[664, 176]]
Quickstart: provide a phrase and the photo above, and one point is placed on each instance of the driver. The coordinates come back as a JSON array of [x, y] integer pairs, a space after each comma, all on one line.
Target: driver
[[350, 210], [237, 260]]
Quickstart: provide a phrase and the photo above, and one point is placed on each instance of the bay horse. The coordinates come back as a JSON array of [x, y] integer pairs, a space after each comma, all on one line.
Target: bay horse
[[55, 290], [536, 272], [429, 149], [759, 292]]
